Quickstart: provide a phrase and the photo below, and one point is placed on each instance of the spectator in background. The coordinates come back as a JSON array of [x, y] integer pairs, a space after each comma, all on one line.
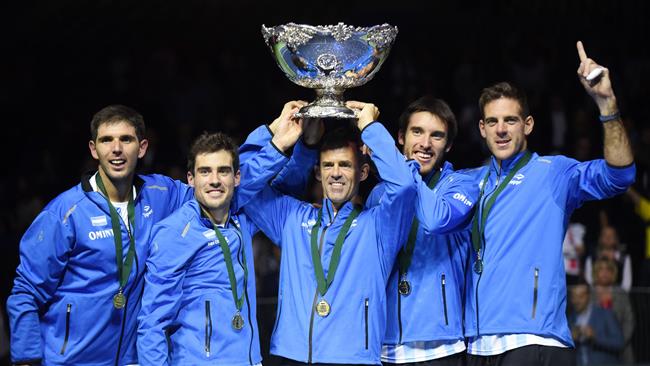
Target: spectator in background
[[573, 248], [595, 331], [610, 247], [608, 295], [642, 208]]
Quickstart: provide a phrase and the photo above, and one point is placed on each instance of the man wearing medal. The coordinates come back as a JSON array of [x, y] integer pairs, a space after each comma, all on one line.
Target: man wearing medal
[[199, 306], [424, 292], [336, 259], [516, 290], [76, 294]]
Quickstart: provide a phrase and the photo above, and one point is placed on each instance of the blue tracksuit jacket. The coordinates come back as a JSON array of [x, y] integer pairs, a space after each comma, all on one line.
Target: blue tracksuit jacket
[[188, 299], [353, 331], [60, 308], [522, 288], [434, 308]]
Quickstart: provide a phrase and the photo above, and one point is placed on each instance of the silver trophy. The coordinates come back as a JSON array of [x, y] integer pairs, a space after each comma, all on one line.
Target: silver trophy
[[330, 59]]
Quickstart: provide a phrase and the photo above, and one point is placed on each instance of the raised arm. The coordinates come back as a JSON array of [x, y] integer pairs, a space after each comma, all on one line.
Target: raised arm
[[397, 207], [292, 179], [449, 206], [265, 157], [598, 85]]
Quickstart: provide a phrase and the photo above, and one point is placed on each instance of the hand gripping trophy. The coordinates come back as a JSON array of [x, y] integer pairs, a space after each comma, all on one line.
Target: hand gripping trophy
[[330, 59]]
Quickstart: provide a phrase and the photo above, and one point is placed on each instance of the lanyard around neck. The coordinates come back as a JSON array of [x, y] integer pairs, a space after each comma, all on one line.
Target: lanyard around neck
[[406, 253], [227, 255], [123, 268], [477, 232], [323, 285]]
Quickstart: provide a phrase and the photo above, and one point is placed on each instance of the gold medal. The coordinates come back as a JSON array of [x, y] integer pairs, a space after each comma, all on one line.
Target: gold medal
[[119, 300], [323, 308], [478, 266], [237, 322], [404, 287]]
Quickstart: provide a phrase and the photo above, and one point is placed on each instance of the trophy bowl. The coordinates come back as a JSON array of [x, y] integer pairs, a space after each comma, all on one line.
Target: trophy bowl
[[330, 59]]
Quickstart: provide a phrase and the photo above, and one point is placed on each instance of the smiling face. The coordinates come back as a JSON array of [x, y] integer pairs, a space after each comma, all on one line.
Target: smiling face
[[425, 140], [340, 173], [117, 150], [214, 181], [504, 128]]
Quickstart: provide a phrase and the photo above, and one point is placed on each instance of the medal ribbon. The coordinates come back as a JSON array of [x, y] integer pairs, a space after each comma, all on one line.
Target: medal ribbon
[[477, 233], [123, 268], [227, 255], [406, 253], [323, 285]]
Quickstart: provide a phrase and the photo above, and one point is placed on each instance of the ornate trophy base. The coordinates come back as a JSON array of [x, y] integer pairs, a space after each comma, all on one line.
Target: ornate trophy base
[[322, 111], [328, 104]]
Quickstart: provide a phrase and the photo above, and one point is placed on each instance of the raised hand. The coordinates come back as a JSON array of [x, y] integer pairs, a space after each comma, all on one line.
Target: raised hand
[[600, 87], [368, 112], [288, 111], [286, 128]]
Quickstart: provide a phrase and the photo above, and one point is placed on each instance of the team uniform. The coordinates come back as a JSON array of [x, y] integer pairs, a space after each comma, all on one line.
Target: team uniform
[[516, 290], [188, 299], [61, 308], [351, 329], [426, 323]]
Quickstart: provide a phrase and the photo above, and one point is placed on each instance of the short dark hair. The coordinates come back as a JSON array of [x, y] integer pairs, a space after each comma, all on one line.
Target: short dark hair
[[213, 142], [503, 89], [581, 281], [435, 106], [117, 113], [343, 137]]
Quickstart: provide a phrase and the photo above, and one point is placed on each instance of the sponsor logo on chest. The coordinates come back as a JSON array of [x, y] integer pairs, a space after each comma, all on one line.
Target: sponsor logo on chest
[[462, 198], [100, 234], [517, 179], [146, 211]]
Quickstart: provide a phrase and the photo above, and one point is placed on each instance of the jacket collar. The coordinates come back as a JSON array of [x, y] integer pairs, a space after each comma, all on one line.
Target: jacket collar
[[446, 167], [329, 213], [205, 221], [506, 165], [138, 182]]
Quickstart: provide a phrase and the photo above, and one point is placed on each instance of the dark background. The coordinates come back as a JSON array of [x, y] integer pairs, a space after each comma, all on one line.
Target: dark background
[[190, 66]]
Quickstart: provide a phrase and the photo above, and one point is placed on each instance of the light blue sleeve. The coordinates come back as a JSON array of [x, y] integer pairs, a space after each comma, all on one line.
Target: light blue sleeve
[[449, 206], [396, 209], [586, 181], [293, 179], [258, 171], [294, 176], [269, 210], [374, 198], [44, 252]]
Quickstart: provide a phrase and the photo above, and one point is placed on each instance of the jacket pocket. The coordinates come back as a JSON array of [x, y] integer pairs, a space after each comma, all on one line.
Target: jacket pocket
[[68, 310], [208, 327], [535, 286], [444, 298], [365, 314]]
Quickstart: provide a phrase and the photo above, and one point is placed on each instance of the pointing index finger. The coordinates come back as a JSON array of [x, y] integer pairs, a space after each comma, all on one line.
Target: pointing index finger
[[581, 51]]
